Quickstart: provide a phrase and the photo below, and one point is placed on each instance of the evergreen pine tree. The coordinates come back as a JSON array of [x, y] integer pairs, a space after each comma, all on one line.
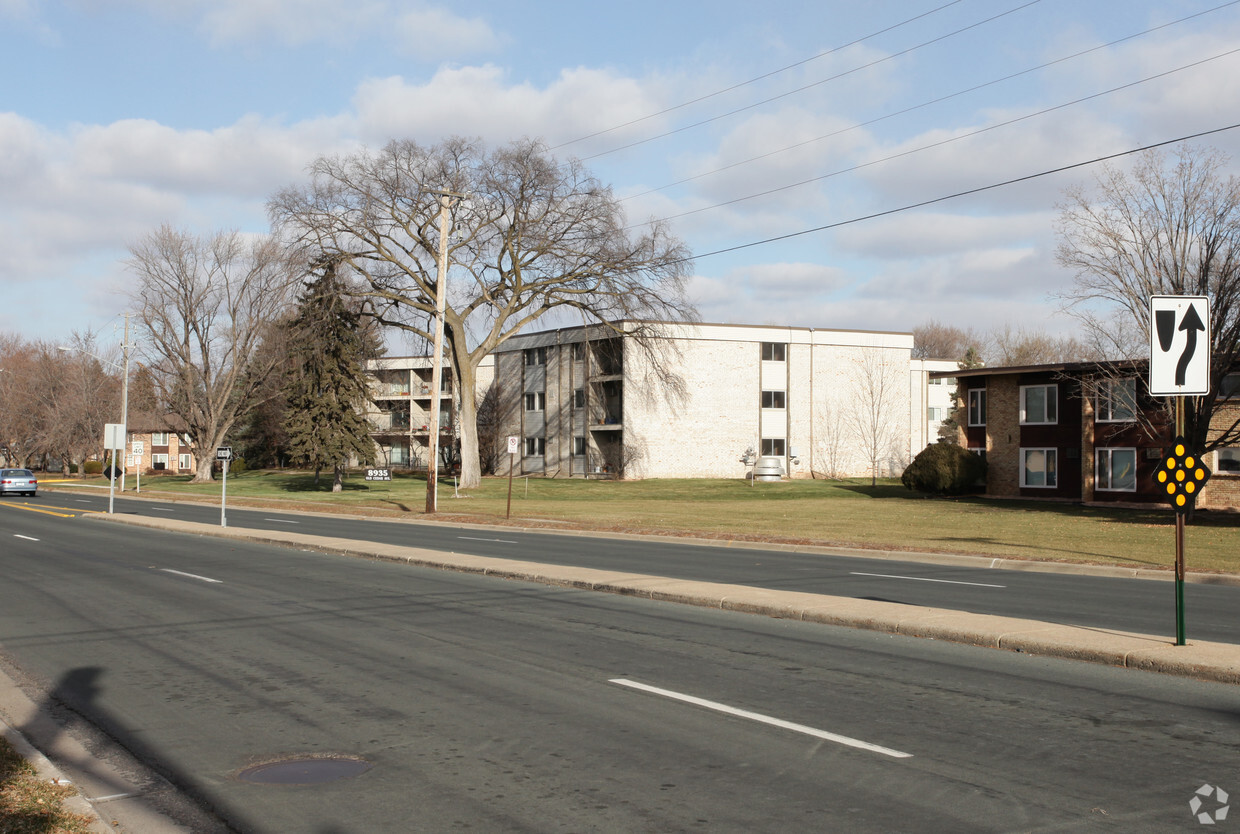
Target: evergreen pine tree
[[330, 343]]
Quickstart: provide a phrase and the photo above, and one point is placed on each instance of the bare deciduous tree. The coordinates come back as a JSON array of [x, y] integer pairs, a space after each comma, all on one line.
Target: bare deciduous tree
[[876, 418], [535, 235], [1170, 227], [934, 340], [205, 305]]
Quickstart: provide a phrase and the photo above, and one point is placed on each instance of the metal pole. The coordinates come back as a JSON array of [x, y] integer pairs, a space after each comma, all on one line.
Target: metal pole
[[1179, 542], [224, 495], [441, 282], [511, 465], [125, 402]]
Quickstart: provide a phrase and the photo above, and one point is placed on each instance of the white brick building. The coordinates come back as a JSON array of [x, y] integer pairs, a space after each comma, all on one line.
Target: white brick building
[[589, 401]]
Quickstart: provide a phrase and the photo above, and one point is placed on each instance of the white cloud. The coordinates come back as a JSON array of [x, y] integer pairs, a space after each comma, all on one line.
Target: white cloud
[[436, 34]]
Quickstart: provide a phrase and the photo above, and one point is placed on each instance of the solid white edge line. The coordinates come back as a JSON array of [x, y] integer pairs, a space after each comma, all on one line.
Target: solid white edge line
[[192, 575], [764, 719], [924, 579], [27, 538]]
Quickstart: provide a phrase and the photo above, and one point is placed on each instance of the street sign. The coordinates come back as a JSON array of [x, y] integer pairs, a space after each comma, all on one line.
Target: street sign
[[1179, 345], [114, 435], [223, 453], [138, 447], [514, 444], [1182, 475], [378, 474]]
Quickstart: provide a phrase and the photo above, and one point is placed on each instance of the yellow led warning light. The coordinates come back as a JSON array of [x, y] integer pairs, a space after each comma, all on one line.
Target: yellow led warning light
[[1183, 475]]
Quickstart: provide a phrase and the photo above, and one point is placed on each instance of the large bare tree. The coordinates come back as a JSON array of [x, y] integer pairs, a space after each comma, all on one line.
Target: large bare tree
[[1171, 226], [205, 306], [531, 235], [876, 418]]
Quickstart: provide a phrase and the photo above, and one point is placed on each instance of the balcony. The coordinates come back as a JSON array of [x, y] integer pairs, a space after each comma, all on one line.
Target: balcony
[[389, 422]]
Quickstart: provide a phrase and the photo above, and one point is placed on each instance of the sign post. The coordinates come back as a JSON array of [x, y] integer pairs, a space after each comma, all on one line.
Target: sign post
[[224, 453], [114, 440], [514, 445], [1180, 367]]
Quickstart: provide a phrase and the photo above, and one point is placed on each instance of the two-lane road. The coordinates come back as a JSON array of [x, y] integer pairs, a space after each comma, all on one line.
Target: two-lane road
[[493, 705]]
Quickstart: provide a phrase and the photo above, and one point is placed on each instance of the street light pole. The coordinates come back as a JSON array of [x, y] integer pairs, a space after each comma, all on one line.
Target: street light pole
[[441, 286]]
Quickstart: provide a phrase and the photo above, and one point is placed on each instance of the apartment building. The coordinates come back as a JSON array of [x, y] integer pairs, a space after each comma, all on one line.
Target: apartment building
[[688, 401]]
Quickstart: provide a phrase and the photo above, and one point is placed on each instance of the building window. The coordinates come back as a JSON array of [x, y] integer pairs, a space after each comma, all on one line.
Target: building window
[[536, 401], [1039, 404], [536, 356], [535, 447], [1116, 470], [184, 463], [159, 438], [1117, 401], [1038, 468], [1228, 460], [159, 462], [579, 398], [579, 446], [773, 447], [774, 352], [774, 399], [977, 407], [578, 351], [934, 414]]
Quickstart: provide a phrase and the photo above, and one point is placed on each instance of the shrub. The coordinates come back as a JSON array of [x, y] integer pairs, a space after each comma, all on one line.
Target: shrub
[[945, 469], [92, 467], [236, 466]]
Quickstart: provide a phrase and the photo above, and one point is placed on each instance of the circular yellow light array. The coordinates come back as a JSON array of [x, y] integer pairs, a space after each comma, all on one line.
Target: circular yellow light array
[[1183, 475]]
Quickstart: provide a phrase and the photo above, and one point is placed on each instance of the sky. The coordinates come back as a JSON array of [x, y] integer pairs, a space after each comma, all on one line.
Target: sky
[[784, 141]]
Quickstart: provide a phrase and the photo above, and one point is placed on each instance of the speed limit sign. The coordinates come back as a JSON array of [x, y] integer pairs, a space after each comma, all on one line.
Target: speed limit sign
[[514, 444]]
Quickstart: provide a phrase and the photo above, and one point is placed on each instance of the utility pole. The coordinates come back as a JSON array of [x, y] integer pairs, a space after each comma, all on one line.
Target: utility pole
[[441, 286]]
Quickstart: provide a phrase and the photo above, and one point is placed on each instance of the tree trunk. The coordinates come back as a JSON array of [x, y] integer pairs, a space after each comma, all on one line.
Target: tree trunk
[[338, 479], [467, 376]]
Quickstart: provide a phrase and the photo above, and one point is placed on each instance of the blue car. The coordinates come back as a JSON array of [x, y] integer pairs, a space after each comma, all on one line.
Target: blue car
[[19, 481]]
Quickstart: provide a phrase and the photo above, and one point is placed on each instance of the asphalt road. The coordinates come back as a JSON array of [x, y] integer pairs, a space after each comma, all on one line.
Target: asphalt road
[[1143, 606], [494, 705]]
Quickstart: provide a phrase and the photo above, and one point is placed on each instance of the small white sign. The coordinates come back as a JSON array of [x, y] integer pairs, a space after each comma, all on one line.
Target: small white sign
[[1179, 345], [114, 435], [139, 448], [223, 453], [514, 444]]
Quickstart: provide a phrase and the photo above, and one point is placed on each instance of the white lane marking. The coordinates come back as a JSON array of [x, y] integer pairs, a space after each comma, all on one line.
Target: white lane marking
[[924, 579], [111, 797], [83, 501], [27, 538], [765, 719], [472, 539], [282, 520], [192, 575], [162, 510]]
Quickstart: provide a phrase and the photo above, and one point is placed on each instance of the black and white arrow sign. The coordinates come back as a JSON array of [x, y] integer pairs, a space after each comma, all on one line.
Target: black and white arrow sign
[[1179, 345]]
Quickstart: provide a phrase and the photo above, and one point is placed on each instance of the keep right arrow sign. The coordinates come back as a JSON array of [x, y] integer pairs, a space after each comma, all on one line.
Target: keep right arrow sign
[[1179, 345]]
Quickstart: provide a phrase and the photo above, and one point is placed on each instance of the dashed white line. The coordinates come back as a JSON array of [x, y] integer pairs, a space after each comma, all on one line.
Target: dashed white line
[[765, 719], [27, 538], [162, 510], [925, 579], [472, 539], [282, 520], [192, 575]]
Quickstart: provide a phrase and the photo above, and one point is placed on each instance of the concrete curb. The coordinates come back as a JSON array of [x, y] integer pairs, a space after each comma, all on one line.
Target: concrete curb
[[48, 772], [1206, 661]]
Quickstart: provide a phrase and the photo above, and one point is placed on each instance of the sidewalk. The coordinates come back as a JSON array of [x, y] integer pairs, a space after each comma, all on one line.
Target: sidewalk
[[1202, 660]]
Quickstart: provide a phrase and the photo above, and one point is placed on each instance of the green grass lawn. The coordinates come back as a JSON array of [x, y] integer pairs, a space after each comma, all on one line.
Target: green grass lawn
[[848, 513]]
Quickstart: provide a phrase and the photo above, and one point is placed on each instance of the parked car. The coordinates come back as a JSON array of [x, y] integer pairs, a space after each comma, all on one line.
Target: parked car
[[19, 481]]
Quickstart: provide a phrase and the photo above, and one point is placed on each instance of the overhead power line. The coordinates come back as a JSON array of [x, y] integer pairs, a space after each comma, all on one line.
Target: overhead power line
[[942, 142], [755, 79], [819, 83], [925, 104], [966, 193]]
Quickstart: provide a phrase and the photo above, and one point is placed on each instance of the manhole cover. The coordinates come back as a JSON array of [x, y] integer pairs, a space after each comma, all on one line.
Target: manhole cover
[[313, 770]]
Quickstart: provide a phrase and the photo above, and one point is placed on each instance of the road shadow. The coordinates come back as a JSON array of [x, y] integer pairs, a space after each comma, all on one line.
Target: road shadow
[[110, 764]]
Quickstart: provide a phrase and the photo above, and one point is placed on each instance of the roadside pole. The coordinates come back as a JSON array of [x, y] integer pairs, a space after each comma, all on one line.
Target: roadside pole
[[514, 443], [1180, 361], [224, 453]]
